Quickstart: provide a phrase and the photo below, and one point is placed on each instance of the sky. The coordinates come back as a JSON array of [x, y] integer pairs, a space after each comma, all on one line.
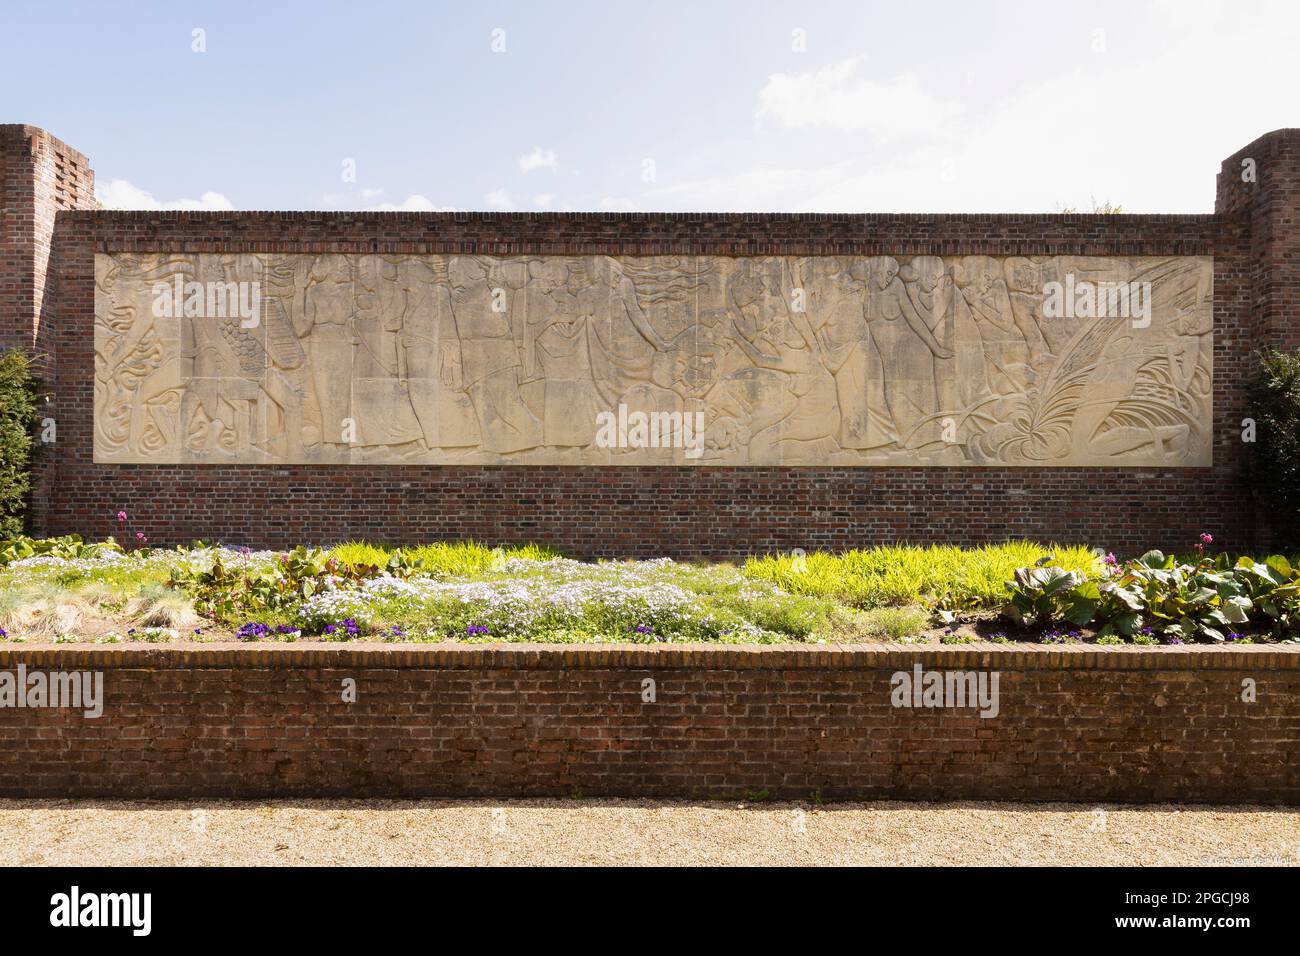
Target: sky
[[670, 105]]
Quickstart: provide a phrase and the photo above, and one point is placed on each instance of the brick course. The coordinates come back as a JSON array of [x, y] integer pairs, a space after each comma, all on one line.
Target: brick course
[[1113, 724]]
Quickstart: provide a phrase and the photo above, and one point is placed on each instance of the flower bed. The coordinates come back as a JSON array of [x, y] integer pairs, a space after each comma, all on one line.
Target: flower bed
[[65, 590]]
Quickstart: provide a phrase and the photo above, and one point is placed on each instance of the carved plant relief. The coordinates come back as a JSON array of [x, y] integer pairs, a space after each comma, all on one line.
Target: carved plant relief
[[460, 359]]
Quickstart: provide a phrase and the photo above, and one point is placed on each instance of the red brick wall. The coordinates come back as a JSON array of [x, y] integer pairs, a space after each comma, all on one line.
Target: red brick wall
[[685, 512], [1114, 724]]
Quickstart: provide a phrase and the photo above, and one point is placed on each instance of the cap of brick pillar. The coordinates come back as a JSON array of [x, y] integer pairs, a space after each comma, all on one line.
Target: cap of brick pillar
[[1257, 174], [39, 176], [1262, 182]]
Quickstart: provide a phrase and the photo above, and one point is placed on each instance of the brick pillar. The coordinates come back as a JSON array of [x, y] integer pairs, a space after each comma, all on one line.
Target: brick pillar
[[39, 175], [1271, 203]]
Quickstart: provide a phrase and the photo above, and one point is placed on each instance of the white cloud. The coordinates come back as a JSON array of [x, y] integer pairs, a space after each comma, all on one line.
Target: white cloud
[[1147, 131], [498, 199], [837, 98], [544, 200], [121, 194], [619, 204], [538, 159], [766, 188], [413, 203]]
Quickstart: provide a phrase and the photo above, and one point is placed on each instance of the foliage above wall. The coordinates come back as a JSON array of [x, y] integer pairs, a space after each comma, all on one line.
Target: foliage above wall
[[17, 412], [1273, 468]]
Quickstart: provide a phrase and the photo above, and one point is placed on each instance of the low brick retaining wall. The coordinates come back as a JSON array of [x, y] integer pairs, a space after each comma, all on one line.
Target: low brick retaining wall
[[1115, 724]]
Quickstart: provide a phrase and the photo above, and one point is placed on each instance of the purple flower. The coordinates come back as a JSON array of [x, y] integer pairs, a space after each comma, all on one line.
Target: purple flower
[[253, 630], [3, 632], [474, 629], [1057, 636], [1111, 560]]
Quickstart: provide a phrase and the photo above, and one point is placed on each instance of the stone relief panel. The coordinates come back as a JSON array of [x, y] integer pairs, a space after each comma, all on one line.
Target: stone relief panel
[[599, 360]]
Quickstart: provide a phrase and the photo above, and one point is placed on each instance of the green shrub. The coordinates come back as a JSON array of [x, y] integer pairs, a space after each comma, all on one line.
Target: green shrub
[[17, 415], [1273, 588], [1180, 600], [1157, 595], [232, 589], [1044, 593], [70, 547], [1273, 467]]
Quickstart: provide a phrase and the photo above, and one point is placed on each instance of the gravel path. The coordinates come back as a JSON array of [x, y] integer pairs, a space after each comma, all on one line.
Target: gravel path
[[344, 832]]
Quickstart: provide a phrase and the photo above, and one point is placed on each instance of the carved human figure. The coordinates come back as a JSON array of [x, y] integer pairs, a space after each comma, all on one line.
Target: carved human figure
[[961, 378], [1025, 292], [1191, 355], [325, 325], [559, 324], [380, 392], [908, 349], [490, 326], [1181, 290], [800, 422], [1004, 349], [663, 391], [836, 297], [429, 356], [269, 360], [622, 341]]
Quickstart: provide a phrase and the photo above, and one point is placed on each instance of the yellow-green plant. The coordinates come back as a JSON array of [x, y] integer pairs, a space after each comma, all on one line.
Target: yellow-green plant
[[895, 575]]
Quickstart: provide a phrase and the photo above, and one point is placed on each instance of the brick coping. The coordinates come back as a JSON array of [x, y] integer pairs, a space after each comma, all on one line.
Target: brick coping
[[633, 656], [290, 215]]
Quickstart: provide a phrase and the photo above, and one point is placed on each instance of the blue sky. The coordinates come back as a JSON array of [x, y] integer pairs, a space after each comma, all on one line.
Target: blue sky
[[666, 105]]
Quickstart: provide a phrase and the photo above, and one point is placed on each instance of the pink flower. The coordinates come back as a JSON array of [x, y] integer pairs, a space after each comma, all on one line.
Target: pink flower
[[121, 516], [1110, 559], [1206, 539]]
